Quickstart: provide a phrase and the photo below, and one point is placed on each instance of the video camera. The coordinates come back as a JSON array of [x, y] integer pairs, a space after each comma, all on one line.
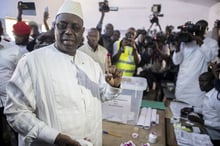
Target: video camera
[[186, 32], [103, 6], [188, 27], [28, 8], [156, 8]]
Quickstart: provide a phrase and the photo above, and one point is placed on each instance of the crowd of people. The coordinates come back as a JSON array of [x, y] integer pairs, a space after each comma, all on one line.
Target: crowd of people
[[53, 83]]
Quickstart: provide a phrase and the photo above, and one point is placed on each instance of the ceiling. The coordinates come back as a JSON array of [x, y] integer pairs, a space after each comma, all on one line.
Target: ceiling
[[201, 2]]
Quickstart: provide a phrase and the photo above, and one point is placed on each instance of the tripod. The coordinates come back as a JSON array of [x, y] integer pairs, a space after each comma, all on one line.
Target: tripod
[[155, 20]]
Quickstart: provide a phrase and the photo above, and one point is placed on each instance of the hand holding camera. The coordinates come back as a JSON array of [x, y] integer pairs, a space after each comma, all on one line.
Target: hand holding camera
[[103, 6], [20, 6], [46, 14], [129, 37]]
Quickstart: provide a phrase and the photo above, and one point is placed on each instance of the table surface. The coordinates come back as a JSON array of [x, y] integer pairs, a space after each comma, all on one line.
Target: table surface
[[125, 131]]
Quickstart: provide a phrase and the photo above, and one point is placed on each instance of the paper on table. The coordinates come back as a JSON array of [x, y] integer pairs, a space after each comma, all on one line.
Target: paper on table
[[147, 117], [147, 122], [158, 118], [191, 139], [154, 117], [142, 116], [117, 109]]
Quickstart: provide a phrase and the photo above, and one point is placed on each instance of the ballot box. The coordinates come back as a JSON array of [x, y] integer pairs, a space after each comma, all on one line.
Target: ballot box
[[126, 107]]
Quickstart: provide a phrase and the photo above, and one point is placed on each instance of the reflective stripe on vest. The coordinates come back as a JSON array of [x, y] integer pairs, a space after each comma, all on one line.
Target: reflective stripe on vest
[[126, 61]]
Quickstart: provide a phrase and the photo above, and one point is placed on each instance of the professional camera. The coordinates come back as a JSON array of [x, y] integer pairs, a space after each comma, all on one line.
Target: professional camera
[[186, 32], [103, 6], [156, 8], [28, 8], [188, 27], [26, 5], [150, 41], [128, 35]]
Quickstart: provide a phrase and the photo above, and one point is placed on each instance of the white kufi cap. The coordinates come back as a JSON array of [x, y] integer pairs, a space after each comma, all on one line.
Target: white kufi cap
[[72, 7]]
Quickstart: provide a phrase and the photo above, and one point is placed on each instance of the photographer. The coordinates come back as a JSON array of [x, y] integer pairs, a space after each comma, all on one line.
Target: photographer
[[193, 58], [155, 62], [105, 39], [125, 54], [215, 34]]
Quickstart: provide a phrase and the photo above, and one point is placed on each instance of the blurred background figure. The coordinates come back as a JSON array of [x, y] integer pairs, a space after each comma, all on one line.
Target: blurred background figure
[[116, 35], [94, 50]]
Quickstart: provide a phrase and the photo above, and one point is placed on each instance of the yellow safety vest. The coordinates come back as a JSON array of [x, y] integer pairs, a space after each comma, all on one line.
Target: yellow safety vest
[[126, 61]]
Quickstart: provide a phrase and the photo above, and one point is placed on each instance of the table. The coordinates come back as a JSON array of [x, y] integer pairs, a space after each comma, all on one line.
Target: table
[[125, 131], [170, 135]]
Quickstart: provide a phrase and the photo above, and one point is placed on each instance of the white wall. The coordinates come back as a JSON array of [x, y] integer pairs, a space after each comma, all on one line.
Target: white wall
[[131, 12]]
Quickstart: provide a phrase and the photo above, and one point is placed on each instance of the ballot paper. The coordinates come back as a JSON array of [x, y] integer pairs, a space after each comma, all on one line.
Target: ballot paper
[[118, 109], [184, 138], [147, 121]]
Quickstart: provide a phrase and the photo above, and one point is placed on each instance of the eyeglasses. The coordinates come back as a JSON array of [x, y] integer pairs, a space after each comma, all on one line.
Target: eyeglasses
[[62, 26]]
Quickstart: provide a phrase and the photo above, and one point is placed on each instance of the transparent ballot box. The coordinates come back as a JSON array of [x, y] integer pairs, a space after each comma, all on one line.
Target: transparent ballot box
[[126, 107]]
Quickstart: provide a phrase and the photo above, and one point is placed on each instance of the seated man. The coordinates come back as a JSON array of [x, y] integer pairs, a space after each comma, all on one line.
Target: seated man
[[209, 118]]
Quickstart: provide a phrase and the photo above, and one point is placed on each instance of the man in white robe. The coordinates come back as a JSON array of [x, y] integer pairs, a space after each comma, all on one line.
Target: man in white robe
[[193, 58], [55, 93]]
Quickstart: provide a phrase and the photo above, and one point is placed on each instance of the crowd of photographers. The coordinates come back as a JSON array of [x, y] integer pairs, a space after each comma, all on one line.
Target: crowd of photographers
[[183, 57]]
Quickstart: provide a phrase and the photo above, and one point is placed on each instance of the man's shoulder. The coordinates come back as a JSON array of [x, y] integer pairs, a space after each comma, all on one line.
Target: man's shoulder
[[82, 54], [41, 51], [210, 40], [102, 49], [7, 45], [84, 47]]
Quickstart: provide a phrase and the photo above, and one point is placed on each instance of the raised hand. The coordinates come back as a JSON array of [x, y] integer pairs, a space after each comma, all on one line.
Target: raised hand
[[114, 76]]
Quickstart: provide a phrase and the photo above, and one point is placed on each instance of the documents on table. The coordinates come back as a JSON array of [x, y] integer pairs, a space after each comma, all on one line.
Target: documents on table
[[185, 138], [118, 109], [148, 117]]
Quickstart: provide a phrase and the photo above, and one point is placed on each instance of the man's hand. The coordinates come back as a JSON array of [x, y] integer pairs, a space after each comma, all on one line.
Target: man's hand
[[114, 76], [214, 69], [64, 140], [195, 118], [184, 112], [187, 110], [198, 39], [20, 7], [46, 15]]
